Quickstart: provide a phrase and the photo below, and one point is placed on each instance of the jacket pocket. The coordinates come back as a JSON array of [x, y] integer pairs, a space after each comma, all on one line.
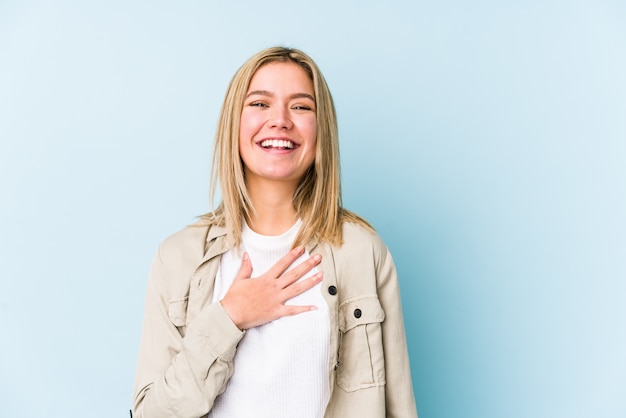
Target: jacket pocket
[[361, 357], [177, 313]]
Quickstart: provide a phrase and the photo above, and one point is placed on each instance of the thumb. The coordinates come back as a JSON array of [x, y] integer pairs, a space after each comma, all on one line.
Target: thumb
[[245, 270]]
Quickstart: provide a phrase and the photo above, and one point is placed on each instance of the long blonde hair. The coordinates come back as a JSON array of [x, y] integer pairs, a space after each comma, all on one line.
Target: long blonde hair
[[317, 198]]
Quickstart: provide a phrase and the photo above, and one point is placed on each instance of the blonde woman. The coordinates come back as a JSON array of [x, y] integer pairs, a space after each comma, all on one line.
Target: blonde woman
[[280, 303]]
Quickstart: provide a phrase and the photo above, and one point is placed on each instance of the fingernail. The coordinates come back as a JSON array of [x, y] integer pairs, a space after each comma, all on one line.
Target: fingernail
[[298, 249], [245, 256], [317, 257], [313, 308]]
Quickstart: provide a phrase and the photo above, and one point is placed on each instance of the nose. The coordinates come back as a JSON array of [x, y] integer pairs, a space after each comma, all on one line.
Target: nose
[[280, 118]]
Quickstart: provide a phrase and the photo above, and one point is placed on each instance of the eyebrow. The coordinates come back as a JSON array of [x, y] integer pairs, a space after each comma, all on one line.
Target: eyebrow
[[270, 94]]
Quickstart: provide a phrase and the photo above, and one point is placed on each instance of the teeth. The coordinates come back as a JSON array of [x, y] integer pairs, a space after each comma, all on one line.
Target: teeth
[[277, 143]]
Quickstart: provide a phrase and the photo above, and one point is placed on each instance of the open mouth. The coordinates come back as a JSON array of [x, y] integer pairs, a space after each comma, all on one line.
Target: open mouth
[[281, 144]]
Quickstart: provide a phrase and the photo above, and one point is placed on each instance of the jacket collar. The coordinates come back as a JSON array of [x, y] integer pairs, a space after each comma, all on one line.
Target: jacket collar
[[216, 242]]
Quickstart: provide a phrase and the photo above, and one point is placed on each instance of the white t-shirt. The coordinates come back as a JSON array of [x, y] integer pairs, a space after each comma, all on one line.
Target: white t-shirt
[[281, 368]]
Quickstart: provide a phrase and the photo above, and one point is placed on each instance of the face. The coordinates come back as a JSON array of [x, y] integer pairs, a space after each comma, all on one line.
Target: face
[[278, 124]]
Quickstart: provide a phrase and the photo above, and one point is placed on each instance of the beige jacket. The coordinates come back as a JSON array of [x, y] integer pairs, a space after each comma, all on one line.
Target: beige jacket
[[188, 343]]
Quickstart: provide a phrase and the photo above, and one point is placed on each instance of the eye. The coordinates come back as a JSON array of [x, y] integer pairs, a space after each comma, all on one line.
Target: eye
[[257, 104], [302, 107]]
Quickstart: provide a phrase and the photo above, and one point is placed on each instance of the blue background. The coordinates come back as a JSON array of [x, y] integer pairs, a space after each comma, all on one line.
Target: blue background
[[485, 140]]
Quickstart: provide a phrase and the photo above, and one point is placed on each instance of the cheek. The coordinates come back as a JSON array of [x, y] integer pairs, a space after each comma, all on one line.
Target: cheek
[[248, 125], [311, 130], [245, 135]]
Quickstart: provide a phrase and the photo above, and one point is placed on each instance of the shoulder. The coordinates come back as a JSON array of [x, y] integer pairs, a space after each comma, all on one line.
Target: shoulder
[[352, 231], [175, 261], [357, 229], [360, 235], [186, 246], [360, 241]]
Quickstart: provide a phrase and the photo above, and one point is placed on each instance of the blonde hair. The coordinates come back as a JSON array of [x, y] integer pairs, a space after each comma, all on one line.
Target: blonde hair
[[317, 199]]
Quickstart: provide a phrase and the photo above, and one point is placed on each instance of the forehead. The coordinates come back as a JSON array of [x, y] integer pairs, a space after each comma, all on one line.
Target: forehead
[[281, 75]]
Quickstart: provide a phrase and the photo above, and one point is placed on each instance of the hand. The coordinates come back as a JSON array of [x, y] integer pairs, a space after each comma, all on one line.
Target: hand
[[253, 302]]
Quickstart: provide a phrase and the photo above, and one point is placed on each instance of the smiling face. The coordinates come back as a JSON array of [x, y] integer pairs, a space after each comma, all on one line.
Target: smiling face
[[278, 129]]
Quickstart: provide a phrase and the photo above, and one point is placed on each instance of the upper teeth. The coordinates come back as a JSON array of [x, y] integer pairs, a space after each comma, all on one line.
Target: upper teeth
[[277, 143]]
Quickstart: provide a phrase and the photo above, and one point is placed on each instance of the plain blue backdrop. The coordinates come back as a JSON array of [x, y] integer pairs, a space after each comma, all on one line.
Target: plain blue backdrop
[[485, 140]]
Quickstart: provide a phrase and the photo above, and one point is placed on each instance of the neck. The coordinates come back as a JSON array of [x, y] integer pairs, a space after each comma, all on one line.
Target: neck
[[274, 212]]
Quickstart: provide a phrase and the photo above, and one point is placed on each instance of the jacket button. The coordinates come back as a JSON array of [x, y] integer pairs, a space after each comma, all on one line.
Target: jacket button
[[332, 290], [357, 313]]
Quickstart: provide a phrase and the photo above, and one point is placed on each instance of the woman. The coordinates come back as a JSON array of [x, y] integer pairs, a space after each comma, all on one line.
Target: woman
[[280, 303]]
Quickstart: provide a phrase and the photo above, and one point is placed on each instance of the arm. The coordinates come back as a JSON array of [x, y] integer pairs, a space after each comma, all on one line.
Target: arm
[[400, 400], [181, 376]]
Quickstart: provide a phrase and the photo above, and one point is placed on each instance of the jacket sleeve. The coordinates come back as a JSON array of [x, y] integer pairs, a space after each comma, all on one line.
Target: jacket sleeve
[[399, 396], [180, 376]]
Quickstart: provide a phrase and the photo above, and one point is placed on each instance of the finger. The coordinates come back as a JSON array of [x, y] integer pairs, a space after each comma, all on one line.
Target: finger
[[245, 270], [300, 270], [290, 310], [300, 287], [281, 265]]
